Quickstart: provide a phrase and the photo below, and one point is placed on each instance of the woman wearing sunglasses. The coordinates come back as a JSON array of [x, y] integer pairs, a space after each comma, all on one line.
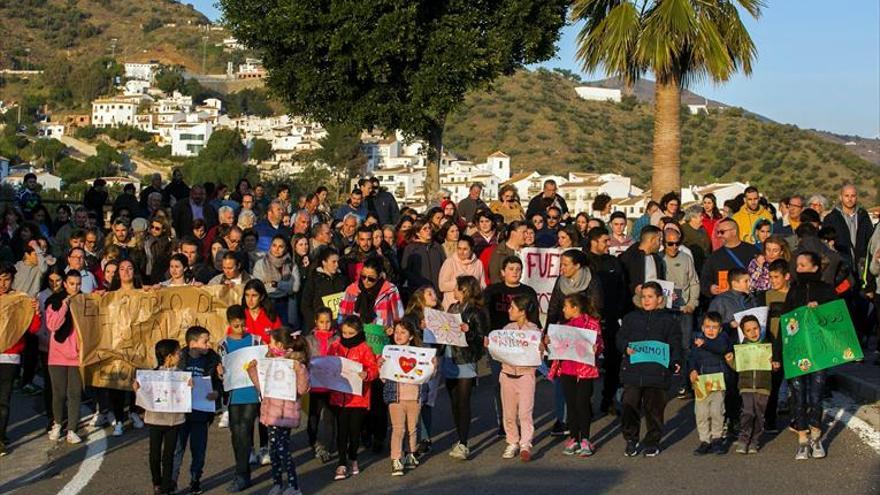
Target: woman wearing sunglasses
[[373, 299]]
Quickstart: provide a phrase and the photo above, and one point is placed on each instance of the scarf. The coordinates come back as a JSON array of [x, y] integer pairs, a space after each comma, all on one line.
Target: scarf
[[366, 300], [278, 264], [55, 301], [578, 283], [352, 342]]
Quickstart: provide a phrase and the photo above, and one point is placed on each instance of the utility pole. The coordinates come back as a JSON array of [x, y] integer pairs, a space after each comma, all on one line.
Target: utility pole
[[113, 48], [204, 52], [28, 58]]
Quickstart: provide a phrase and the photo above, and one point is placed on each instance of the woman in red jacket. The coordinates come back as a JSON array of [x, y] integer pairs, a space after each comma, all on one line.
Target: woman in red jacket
[[260, 315], [260, 320], [351, 409], [10, 359]]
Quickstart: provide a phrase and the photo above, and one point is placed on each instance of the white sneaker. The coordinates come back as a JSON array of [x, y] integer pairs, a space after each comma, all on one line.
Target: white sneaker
[[136, 420], [117, 429], [99, 420], [224, 420], [510, 451], [460, 451], [73, 438], [55, 432], [265, 458]]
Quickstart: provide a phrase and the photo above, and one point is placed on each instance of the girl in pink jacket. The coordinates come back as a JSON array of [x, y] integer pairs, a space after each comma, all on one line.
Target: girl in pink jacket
[[577, 378], [281, 415], [64, 358]]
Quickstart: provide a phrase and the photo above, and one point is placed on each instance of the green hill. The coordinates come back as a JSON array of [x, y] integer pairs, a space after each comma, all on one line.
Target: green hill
[[35, 33], [537, 119]]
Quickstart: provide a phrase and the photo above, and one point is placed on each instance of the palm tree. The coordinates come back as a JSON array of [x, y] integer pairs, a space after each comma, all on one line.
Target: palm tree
[[679, 41]]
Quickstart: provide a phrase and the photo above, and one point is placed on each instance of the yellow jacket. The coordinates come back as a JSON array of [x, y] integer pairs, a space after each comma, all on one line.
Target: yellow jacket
[[746, 221]]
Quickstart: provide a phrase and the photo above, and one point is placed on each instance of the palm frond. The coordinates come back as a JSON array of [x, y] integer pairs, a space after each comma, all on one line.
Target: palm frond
[[610, 42]]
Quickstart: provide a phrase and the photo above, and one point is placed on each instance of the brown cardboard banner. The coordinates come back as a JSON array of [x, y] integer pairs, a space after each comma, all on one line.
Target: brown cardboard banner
[[118, 330], [16, 314]]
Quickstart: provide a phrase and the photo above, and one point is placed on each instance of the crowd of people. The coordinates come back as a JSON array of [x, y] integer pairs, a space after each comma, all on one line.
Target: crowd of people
[[287, 254]]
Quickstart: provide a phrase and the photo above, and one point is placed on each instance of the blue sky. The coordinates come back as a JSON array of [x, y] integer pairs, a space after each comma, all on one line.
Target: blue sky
[[818, 65]]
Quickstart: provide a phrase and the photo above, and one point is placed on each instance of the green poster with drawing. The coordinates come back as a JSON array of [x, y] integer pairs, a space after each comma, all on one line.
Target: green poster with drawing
[[814, 339]]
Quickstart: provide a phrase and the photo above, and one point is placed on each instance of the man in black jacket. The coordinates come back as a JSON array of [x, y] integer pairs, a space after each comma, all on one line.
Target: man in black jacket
[[854, 228], [546, 199], [384, 203], [642, 261], [612, 279], [184, 212]]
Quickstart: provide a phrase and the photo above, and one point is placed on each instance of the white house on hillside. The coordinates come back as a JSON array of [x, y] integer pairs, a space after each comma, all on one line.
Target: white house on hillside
[[141, 71], [113, 112], [188, 139], [595, 93], [48, 181], [50, 130]]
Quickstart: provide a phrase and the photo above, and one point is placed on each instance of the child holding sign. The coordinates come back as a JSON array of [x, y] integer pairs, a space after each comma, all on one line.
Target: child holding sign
[[754, 387], [322, 421], [244, 404], [281, 415], [351, 409], [577, 378], [163, 426], [404, 402], [705, 360], [518, 385], [646, 377]]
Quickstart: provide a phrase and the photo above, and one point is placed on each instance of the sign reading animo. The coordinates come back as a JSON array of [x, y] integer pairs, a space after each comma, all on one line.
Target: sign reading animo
[[650, 351]]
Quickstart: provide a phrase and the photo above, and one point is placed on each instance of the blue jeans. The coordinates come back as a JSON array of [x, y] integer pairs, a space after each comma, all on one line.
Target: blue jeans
[[425, 422], [196, 433], [806, 392], [558, 394]]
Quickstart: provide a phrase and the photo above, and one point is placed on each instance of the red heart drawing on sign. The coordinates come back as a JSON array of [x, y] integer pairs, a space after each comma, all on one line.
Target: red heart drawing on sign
[[580, 347], [406, 364]]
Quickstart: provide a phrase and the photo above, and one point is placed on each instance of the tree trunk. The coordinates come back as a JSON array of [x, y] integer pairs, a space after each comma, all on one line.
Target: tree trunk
[[435, 152], [667, 139]]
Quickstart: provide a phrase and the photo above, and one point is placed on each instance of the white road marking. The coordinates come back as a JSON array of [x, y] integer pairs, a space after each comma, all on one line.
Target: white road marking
[[841, 408], [90, 465]]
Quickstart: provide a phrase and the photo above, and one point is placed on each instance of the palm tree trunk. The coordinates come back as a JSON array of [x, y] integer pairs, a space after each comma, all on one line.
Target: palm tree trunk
[[667, 139]]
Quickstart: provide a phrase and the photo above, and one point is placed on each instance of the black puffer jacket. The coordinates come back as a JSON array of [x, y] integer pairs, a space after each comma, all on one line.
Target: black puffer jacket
[[318, 285], [477, 320], [659, 325]]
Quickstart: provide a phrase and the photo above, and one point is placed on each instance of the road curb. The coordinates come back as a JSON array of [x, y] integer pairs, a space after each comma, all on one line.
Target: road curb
[[863, 392]]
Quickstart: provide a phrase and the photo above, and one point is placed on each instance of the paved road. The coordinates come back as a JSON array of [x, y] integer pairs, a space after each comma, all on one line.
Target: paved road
[[852, 466]]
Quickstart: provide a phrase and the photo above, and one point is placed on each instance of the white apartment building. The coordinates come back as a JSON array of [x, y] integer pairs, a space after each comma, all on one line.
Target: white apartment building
[[723, 191], [188, 139], [594, 93], [113, 112], [141, 71]]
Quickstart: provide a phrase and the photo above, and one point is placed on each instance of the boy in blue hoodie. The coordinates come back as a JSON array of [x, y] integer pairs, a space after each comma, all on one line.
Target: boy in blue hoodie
[[707, 357], [737, 299]]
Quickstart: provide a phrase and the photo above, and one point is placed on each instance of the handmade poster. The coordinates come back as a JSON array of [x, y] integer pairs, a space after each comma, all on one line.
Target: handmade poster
[[572, 344], [540, 272], [118, 330], [650, 351], [443, 328], [277, 378], [235, 365], [760, 313], [16, 314], [201, 388], [706, 384], [164, 391], [332, 301], [376, 337], [814, 339], [753, 357], [407, 364], [668, 291], [723, 282], [336, 373], [516, 347]]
